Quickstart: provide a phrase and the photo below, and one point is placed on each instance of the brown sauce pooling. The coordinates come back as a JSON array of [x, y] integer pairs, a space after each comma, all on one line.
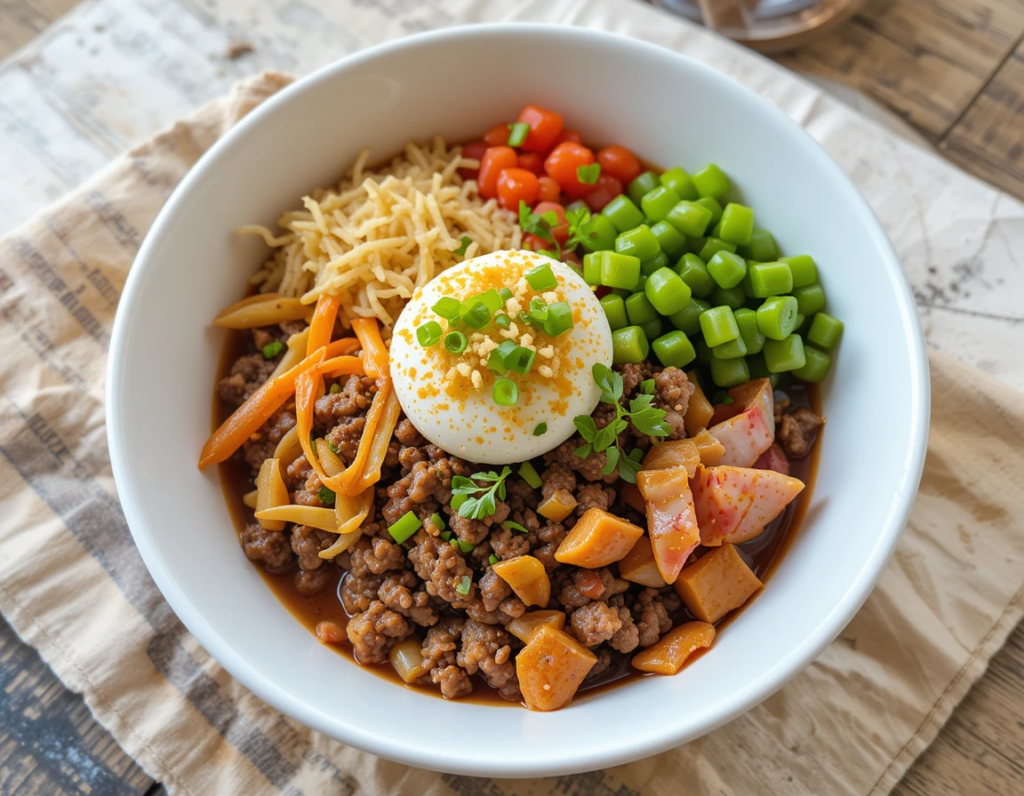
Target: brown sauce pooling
[[763, 553]]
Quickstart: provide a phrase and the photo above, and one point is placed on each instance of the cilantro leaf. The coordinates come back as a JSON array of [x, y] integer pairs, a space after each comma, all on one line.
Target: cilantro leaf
[[586, 426], [609, 381], [613, 455], [588, 174], [628, 469], [478, 506], [583, 451], [539, 225], [651, 422], [577, 220]]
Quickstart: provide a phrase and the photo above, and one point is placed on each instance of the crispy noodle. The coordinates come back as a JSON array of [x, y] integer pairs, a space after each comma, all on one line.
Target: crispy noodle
[[383, 232]]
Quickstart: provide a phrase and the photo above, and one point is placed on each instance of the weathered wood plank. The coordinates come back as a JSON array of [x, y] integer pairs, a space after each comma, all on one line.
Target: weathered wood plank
[[988, 140], [23, 20], [49, 743], [924, 59]]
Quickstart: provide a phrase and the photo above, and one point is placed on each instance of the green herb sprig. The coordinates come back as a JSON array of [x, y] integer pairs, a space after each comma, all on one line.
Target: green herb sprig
[[541, 226], [644, 417], [477, 506]]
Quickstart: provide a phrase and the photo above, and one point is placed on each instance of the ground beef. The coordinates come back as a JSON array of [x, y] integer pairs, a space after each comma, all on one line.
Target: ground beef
[[355, 398], [443, 567], [487, 649], [594, 496], [632, 374], [508, 609], [507, 543], [309, 493], [557, 478], [652, 617], [402, 592], [604, 660], [546, 541], [358, 592], [263, 443], [270, 547], [308, 542], [246, 376], [467, 530], [374, 632], [407, 434], [589, 466], [797, 432], [297, 474], [375, 556], [782, 403], [493, 590], [346, 436], [595, 623], [439, 652], [312, 581]]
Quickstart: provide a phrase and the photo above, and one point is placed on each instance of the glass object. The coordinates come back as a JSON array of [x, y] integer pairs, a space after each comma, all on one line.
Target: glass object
[[765, 25]]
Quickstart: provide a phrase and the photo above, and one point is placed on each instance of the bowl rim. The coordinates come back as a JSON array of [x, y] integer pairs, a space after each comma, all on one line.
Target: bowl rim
[[628, 749]]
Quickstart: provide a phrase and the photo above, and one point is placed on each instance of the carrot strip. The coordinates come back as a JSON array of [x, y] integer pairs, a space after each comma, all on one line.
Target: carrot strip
[[247, 419], [342, 366], [375, 354], [322, 326], [381, 441]]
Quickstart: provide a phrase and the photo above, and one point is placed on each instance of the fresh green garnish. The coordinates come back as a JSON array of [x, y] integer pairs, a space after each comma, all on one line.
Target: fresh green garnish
[[271, 350], [514, 526], [455, 342], [477, 316], [464, 585], [540, 226], [502, 321], [476, 506], [438, 522], [448, 308], [492, 559], [517, 133], [505, 392], [529, 474], [334, 448], [647, 386], [588, 174], [540, 429], [465, 245], [644, 417], [462, 547], [326, 496], [429, 333], [405, 527], [446, 535], [541, 278], [335, 388], [578, 218]]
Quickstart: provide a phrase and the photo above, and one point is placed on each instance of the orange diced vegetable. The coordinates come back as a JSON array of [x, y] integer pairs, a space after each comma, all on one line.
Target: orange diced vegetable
[[673, 453], [734, 504], [699, 411], [640, 567], [597, 540], [545, 126], [716, 584], [265, 309], [558, 506], [669, 654], [527, 577], [321, 328], [407, 658], [631, 497], [671, 520], [551, 668], [495, 160], [527, 624], [710, 449]]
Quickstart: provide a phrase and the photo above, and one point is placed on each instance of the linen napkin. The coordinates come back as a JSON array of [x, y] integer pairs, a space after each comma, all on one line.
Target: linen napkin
[[72, 583]]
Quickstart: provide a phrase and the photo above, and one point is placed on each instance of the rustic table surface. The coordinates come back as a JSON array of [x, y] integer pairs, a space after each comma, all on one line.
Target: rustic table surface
[[954, 70]]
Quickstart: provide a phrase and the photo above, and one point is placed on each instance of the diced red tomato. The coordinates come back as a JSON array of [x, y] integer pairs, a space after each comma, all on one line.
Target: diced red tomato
[[604, 190], [535, 243], [472, 151], [568, 135], [560, 231], [531, 161], [515, 186], [562, 163], [619, 162], [495, 160], [497, 135], [550, 190], [544, 128]]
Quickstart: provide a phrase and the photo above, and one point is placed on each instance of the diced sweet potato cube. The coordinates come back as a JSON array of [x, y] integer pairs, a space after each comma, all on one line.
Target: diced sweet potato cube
[[551, 668], [699, 411], [734, 504], [559, 506], [716, 583], [669, 654], [711, 451], [527, 577], [527, 624], [639, 565], [673, 453], [631, 497], [671, 521], [597, 540]]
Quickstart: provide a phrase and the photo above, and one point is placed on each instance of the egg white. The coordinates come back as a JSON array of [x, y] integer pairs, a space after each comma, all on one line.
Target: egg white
[[474, 427]]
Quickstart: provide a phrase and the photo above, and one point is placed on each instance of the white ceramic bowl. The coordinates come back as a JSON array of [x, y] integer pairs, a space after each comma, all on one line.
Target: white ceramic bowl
[[458, 82]]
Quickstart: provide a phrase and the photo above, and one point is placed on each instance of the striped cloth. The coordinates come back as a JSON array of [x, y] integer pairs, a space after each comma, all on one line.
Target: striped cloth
[[73, 585]]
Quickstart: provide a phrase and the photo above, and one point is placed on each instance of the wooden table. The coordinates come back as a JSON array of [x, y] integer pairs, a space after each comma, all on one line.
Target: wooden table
[[954, 69]]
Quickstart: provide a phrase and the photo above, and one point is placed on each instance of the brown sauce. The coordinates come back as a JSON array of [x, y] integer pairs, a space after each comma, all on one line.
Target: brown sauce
[[763, 554]]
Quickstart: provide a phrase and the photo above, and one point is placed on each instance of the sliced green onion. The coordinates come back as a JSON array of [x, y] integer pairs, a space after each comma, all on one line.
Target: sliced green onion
[[538, 313], [477, 316], [541, 278], [438, 522], [448, 308], [326, 496], [455, 342], [588, 174], [506, 392], [429, 333], [465, 245], [334, 448], [494, 363], [514, 526], [540, 429], [405, 527], [464, 547], [335, 388], [504, 294], [464, 585], [517, 135], [489, 298], [520, 360], [559, 318], [647, 386], [447, 535], [271, 350], [529, 474], [492, 559], [502, 321]]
